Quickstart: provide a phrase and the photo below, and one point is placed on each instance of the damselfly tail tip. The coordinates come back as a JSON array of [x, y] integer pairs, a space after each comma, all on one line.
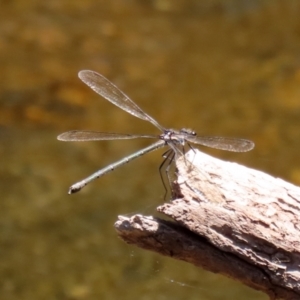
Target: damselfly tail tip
[[72, 190], [76, 187]]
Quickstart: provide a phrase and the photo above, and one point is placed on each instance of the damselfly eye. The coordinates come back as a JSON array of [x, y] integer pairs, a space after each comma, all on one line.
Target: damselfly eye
[[188, 131]]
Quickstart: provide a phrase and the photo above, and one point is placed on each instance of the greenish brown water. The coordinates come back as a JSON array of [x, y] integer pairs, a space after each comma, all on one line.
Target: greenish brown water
[[229, 68]]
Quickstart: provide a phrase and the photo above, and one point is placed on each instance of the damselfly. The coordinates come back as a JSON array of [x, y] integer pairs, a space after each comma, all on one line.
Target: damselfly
[[175, 139]]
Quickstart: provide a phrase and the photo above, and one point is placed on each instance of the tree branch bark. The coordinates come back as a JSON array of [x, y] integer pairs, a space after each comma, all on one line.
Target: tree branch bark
[[229, 219]]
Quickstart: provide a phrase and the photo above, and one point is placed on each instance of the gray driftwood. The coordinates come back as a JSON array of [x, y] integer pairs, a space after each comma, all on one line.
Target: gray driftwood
[[228, 219]]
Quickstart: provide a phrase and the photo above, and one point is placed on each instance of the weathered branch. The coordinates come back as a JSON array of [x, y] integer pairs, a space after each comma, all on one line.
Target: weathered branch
[[229, 219]]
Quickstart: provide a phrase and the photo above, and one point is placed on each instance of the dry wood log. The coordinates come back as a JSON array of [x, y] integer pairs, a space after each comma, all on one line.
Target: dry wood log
[[229, 219]]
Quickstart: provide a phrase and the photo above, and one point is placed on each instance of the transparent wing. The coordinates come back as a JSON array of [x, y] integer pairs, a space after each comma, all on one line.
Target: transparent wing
[[110, 92], [84, 136], [223, 143]]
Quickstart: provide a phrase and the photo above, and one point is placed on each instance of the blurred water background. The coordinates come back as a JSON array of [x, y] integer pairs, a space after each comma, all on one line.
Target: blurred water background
[[220, 67]]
